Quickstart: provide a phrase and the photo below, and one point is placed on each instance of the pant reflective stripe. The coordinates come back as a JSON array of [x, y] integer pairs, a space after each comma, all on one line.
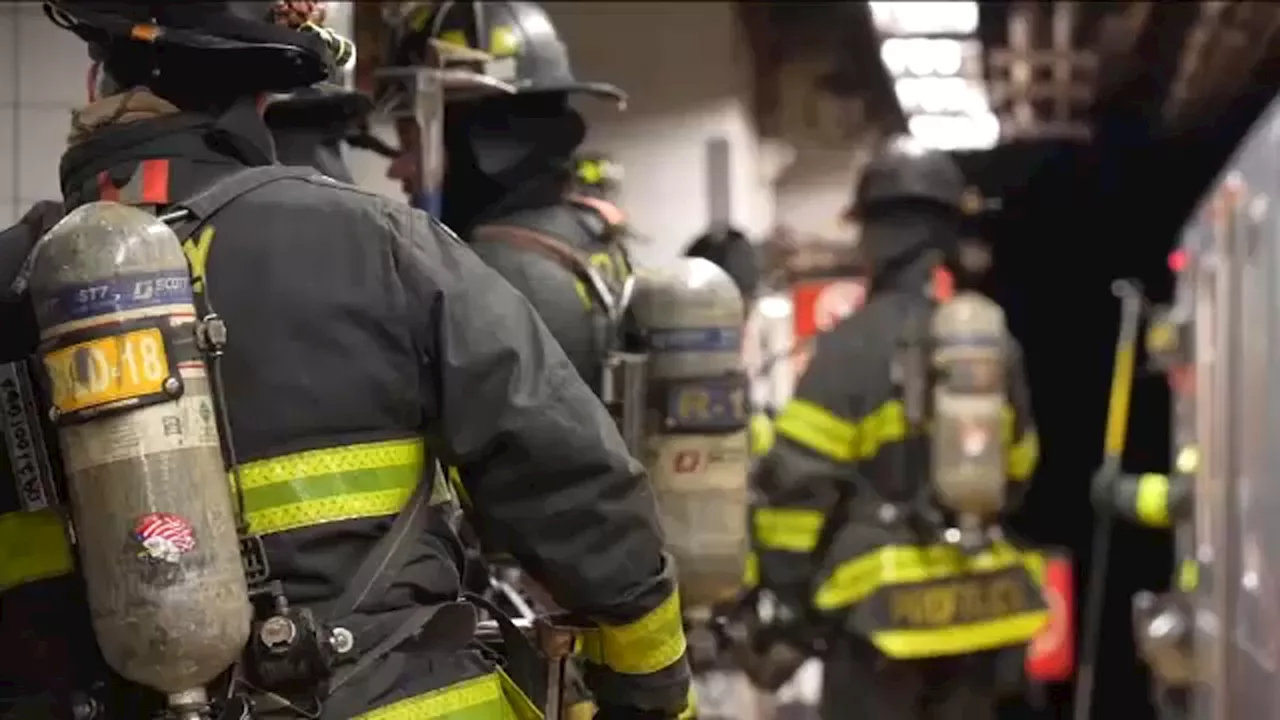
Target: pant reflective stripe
[[1152, 501], [331, 484], [484, 698], [855, 580], [960, 639], [33, 547], [648, 645], [817, 428], [787, 529]]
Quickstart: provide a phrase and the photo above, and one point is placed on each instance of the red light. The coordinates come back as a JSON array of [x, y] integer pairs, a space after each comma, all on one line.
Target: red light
[[1178, 260]]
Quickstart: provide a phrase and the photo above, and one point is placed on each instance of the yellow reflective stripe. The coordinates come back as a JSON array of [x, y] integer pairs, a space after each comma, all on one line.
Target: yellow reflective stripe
[[855, 580], [690, 711], [648, 645], [1188, 575], [1022, 456], [33, 547], [817, 428], [886, 424], [320, 486], [487, 697], [1152, 502], [761, 435], [1022, 453], [960, 639], [455, 479], [751, 571], [787, 529]]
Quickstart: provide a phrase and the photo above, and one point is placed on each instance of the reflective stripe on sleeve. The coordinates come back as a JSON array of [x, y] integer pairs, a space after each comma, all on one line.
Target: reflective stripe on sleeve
[[33, 547], [818, 429], [1151, 503], [331, 484], [787, 529], [648, 645]]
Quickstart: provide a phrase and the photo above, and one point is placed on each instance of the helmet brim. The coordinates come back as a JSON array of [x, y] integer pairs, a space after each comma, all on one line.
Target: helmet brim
[[598, 90]]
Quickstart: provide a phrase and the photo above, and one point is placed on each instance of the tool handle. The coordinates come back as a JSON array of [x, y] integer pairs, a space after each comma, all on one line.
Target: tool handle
[[1130, 295]]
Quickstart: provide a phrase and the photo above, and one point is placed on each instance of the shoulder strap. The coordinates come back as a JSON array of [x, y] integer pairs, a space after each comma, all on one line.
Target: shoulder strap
[[226, 190], [558, 250]]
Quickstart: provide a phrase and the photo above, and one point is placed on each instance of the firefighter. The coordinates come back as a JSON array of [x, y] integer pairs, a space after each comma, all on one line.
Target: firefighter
[[353, 299], [856, 535], [508, 175]]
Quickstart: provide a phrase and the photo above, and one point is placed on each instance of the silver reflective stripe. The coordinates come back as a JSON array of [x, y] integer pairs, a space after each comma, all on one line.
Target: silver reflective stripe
[[24, 438]]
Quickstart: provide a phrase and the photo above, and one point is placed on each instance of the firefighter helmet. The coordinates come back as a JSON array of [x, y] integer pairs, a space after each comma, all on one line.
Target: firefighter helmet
[[904, 171], [517, 43], [732, 252], [222, 42]]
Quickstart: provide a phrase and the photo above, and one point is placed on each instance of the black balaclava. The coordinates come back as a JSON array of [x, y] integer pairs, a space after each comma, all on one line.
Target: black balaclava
[[902, 244], [507, 153]]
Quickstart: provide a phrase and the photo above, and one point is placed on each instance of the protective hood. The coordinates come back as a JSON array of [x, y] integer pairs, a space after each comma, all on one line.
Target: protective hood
[[498, 146], [901, 250]]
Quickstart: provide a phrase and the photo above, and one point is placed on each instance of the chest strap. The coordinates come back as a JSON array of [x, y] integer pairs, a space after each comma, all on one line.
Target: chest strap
[[558, 251]]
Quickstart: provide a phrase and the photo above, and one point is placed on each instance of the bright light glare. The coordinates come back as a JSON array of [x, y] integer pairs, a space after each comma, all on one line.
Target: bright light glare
[[922, 56], [979, 131], [941, 95], [774, 307], [952, 17]]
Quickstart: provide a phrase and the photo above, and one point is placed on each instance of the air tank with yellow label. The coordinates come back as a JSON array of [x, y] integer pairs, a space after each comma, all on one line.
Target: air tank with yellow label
[[151, 507]]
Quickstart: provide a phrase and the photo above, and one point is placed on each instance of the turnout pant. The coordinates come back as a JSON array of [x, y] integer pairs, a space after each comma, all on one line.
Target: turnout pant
[[860, 682]]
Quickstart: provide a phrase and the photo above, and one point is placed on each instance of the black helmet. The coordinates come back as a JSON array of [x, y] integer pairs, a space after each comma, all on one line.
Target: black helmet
[[239, 42], [904, 171], [522, 46], [730, 249]]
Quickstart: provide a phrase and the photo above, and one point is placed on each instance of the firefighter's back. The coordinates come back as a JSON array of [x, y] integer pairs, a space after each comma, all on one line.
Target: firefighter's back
[[565, 299]]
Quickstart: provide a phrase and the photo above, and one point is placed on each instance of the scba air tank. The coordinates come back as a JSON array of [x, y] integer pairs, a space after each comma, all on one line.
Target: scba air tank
[[970, 343], [697, 449], [151, 506]]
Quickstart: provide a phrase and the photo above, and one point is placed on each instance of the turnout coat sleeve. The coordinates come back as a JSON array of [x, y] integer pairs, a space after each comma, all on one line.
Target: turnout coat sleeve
[[814, 453], [548, 475]]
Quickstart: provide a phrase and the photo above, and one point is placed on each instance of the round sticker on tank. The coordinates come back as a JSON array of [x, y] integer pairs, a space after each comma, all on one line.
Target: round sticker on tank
[[163, 537]]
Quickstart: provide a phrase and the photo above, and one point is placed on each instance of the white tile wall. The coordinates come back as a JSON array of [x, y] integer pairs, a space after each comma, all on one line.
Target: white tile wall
[[42, 77]]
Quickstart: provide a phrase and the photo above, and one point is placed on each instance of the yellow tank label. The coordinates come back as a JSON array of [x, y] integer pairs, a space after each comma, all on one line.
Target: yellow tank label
[[108, 370]]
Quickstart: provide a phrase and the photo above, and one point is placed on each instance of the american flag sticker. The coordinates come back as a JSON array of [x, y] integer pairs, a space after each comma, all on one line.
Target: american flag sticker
[[164, 537]]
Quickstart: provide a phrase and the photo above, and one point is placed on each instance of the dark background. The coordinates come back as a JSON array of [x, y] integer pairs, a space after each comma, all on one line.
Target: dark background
[[1074, 218]]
